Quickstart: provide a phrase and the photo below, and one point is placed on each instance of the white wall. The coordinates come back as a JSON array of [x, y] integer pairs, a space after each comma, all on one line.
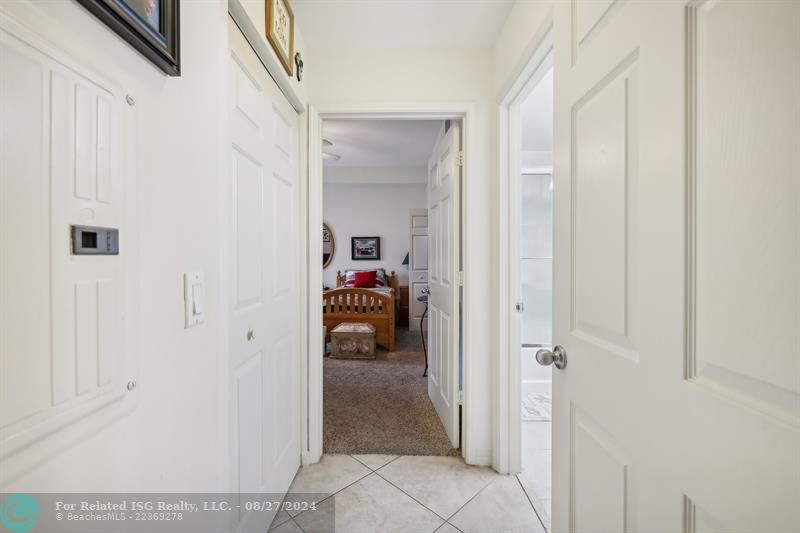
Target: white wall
[[518, 38], [175, 439], [371, 210], [345, 77]]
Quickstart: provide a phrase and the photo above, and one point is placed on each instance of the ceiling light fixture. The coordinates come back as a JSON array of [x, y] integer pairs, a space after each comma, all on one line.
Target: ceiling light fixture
[[327, 142]]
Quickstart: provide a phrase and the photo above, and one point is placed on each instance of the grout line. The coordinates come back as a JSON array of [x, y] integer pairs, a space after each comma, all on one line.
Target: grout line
[[413, 498], [295, 523], [390, 462], [470, 500], [530, 501], [376, 469], [338, 491], [362, 462]]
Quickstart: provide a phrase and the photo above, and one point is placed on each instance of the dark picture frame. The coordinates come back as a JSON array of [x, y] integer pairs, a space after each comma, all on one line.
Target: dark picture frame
[[161, 45], [365, 248]]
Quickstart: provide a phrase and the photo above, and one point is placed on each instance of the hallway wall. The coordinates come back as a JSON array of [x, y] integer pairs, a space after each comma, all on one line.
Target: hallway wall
[[358, 77], [175, 440]]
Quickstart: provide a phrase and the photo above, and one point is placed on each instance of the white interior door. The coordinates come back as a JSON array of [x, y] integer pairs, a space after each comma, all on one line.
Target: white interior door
[[265, 315], [677, 252], [418, 266], [443, 260]]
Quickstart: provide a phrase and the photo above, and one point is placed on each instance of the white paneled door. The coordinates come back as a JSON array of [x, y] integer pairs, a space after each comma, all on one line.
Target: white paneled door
[[444, 175], [264, 283], [418, 266], [676, 261]]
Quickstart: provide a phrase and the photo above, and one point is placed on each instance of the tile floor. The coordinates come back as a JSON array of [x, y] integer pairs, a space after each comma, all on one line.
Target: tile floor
[[408, 494], [536, 473]]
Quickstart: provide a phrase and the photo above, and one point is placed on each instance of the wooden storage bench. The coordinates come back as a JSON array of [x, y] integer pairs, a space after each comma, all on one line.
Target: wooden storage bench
[[353, 340]]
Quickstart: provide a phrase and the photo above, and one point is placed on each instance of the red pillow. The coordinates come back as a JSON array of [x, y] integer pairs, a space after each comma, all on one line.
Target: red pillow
[[365, 280]]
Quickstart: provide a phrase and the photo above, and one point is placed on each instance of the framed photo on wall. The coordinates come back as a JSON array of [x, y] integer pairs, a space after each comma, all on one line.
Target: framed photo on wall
[[280, 32], [152, 27], [366, 248]]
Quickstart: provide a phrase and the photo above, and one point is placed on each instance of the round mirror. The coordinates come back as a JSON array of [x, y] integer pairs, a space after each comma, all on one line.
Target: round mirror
[[328, 245]]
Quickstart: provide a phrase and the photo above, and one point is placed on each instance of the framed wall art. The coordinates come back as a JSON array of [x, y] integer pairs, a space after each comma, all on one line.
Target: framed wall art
[[152, 27], [280, 32], [366, 248]]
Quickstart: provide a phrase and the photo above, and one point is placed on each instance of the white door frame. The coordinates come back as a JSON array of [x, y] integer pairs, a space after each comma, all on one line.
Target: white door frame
[[312, 380], [507, 445]]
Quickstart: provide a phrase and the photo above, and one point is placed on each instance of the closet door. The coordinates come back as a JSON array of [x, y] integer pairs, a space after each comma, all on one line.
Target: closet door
[[264, 282]]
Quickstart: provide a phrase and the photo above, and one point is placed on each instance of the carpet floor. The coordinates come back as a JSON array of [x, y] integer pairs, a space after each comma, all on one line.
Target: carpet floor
[[381, 406]]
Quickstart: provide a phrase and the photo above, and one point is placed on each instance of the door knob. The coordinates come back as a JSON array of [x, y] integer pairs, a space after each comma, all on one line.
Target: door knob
[[557, 357]]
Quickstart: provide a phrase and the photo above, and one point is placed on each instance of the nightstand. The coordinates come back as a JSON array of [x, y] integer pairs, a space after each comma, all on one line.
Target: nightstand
[[403, 311]]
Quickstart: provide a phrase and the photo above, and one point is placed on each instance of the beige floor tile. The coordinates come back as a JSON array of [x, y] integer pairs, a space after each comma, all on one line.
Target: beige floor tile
[[320, 520], [369, 506], [330, 475], [448, 528], [502, 507], [375, 461], [279, 519], [443, 484], [287, 527]]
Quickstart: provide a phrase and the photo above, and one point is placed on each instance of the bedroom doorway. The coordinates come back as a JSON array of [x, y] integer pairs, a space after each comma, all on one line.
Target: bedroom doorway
[[376, 186]]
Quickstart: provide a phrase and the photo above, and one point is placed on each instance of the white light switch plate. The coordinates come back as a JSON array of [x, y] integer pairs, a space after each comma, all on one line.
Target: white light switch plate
[[194, 298]]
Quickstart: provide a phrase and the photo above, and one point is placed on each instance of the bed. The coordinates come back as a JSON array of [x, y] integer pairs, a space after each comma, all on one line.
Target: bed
[[374, 306]]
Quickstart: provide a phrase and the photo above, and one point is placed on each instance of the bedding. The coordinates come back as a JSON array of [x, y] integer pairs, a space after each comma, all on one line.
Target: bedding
[[350, 277], [366, 280]]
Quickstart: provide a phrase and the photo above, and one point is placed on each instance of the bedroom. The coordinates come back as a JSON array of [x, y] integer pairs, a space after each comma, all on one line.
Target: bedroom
[[375, 252]]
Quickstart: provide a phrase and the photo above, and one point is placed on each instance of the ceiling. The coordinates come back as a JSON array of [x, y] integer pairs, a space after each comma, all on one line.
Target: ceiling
[[395, 24], [381, 143]]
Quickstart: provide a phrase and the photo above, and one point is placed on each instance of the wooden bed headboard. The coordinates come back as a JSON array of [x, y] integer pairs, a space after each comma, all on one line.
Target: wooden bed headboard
[[391, 279], [348, 304]]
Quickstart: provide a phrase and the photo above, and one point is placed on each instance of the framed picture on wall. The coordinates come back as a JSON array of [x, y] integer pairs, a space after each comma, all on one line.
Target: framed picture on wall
[[280, 32], [366, 248], [152, 27]]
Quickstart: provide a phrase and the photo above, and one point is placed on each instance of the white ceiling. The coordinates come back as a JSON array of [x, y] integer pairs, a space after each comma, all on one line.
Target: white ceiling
[[381, 143], [415, 24]]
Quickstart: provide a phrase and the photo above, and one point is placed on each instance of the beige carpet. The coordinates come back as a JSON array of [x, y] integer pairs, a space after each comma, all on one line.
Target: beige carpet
[[381, 406]]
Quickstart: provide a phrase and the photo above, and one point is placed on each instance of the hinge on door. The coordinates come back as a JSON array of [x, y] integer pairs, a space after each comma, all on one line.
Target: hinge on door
[[520, 307], [460, 159], [460, 277]]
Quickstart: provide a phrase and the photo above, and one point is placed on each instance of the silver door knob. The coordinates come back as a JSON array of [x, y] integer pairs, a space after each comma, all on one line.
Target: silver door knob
[[557, 357]]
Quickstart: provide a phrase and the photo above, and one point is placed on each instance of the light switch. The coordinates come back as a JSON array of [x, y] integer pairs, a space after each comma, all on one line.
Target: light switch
[[193, 295]]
